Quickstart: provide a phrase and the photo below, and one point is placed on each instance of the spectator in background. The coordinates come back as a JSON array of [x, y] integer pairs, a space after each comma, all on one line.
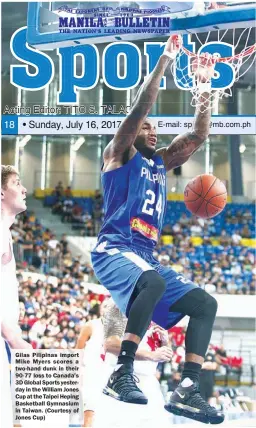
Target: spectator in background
[[220, 355], [228, 216], [70, 336], [31, 218], [25, 326], [67, 207], [98, 198], [235, 269], [164, 259], [246, 217], [46, 234], [196, 228], [59, 190], [88, 223], [53, 327], [167, 229], [22, 309], [57, 207], [245, 232], [176, 228], [97, 216], [92, 277], [224, 238], [232, 287], [64, 244], [177, 233], [77, 212], [37, 331], [184, 221], [37, 257], [28, 248], [236, 238], [68, 192], [53, 242]]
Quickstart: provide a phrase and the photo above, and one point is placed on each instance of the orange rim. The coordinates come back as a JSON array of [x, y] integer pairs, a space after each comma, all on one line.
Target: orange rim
[[246, 52]]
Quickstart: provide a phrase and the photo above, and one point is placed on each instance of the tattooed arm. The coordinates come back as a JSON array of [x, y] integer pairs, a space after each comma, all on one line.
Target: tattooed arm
[[121, 147], [114, 324], [184, 146]]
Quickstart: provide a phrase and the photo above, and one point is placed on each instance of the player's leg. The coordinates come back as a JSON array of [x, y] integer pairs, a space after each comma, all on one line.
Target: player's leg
[[201, 307], [186, 400], [135, 288], [88, 418], [147, 292], [185, 298]]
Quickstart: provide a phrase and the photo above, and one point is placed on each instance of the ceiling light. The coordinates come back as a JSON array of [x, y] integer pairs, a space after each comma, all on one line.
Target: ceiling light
[[24, 140], [242, 148], [78, 143]]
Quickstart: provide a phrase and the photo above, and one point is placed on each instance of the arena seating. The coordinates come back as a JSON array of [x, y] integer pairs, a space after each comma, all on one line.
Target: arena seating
[[174, 211], [85, 203], [228, 220]]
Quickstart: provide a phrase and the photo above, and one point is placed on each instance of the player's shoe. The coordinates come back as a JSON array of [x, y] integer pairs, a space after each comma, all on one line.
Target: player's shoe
[[122, 385], [187, 402]]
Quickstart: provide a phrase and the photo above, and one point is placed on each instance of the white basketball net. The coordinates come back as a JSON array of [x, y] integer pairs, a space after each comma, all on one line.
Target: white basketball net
[[241, 62]]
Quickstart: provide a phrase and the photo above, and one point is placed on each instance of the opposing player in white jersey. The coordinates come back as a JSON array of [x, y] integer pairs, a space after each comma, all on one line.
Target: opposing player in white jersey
[[154, 348], [13, 202], [91, 340]]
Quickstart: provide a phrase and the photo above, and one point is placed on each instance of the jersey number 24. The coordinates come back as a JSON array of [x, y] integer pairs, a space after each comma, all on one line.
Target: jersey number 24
[[149, 208]]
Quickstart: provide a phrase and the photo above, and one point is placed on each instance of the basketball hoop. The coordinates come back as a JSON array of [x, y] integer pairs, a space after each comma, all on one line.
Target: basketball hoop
[[242, 59]]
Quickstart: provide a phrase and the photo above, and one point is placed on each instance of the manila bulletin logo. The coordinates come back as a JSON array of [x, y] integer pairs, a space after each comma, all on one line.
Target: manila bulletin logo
[[107, 19]]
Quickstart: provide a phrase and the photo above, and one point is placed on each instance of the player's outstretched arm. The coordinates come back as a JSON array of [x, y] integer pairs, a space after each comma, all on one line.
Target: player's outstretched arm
[[164, 354], [84, 336], [130, 127], [13, 337], [183, 146], [114, 322]]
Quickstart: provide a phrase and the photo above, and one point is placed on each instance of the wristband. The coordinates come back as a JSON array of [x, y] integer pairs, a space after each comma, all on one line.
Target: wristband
[[171, 55], [204, 87]]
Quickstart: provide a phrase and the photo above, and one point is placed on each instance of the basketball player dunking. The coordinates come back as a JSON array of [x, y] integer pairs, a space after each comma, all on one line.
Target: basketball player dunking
[[13, 202], [134, 186]]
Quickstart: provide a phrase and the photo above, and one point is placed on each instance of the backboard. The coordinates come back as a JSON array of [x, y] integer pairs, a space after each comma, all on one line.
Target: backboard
[[59, 24]]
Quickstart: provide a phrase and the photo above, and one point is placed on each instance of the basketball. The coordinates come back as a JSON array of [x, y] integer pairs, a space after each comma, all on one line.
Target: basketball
[[205, 196]]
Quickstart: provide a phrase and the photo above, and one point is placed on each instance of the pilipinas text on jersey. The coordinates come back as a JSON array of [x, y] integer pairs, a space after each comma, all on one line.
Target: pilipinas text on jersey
[[134, 202]]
